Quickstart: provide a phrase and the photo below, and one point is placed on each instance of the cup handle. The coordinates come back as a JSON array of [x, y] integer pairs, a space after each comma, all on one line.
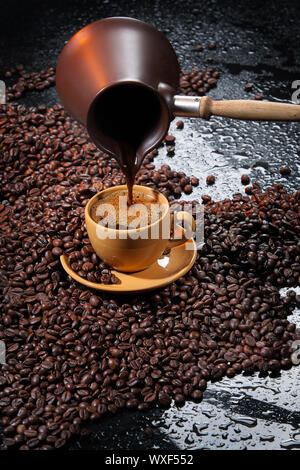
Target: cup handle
[[188, 220]]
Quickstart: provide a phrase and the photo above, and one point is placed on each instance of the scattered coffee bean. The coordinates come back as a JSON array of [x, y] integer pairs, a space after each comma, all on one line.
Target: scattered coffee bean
[[194, 181], [212, 45], [210, 179], [248, 87], [169, 139], [245, 179], [285, 171]]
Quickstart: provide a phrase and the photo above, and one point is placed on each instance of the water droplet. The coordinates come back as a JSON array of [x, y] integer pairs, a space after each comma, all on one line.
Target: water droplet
[[197, 428], [267, 437], [245, 437], [245, 420], [290, 444], [189, 439]]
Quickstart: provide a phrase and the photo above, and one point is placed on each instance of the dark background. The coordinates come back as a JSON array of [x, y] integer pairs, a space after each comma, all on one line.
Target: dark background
[[257, 42]]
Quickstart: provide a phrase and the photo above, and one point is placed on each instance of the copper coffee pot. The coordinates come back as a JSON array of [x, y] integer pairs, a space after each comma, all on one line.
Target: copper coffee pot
[[119, 77]]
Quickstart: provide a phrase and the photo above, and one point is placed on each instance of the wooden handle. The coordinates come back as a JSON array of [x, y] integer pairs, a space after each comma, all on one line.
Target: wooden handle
[[248, 110]]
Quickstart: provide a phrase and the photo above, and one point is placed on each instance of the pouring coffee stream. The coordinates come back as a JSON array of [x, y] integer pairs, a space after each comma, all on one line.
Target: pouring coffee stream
[[125, 132], [119, 77]]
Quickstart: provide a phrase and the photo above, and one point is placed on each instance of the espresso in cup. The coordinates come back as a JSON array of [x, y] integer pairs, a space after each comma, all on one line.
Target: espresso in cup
[[113, 210], [141, 244]]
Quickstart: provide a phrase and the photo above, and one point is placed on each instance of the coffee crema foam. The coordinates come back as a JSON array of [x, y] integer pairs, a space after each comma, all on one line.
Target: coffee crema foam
[[114, 212]]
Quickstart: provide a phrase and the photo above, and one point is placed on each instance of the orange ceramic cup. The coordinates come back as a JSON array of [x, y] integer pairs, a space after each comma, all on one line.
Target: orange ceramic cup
[[135, 249]]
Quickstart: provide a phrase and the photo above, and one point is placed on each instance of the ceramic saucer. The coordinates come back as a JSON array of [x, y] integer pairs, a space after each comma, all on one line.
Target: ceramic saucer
[[161, 273]]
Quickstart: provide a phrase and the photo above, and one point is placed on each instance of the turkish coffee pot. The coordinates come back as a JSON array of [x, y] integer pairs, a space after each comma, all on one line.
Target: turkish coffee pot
[[120, 77]]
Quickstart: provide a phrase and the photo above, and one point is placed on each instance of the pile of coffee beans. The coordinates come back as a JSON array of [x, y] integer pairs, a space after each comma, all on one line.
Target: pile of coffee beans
[[197, 82], [169, 182], [28, 81], [72, 354], [86, 263]]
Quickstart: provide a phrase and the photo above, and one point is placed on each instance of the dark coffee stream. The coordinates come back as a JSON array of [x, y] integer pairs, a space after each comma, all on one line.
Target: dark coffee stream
[[125, 119]]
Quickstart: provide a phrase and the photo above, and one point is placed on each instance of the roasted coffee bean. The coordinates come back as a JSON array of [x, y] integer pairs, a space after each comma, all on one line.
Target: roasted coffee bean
[[169, 139], [115, 352], [198, 82], [164, 398], [245, 179], [188, 189], [248, 86], [94, 300], [210, 179], [212, 45], [250, 340], [285, 171], [197, 395]]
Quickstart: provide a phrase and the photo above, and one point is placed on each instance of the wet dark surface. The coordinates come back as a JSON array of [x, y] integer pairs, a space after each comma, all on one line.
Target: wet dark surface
[[257, 44]]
